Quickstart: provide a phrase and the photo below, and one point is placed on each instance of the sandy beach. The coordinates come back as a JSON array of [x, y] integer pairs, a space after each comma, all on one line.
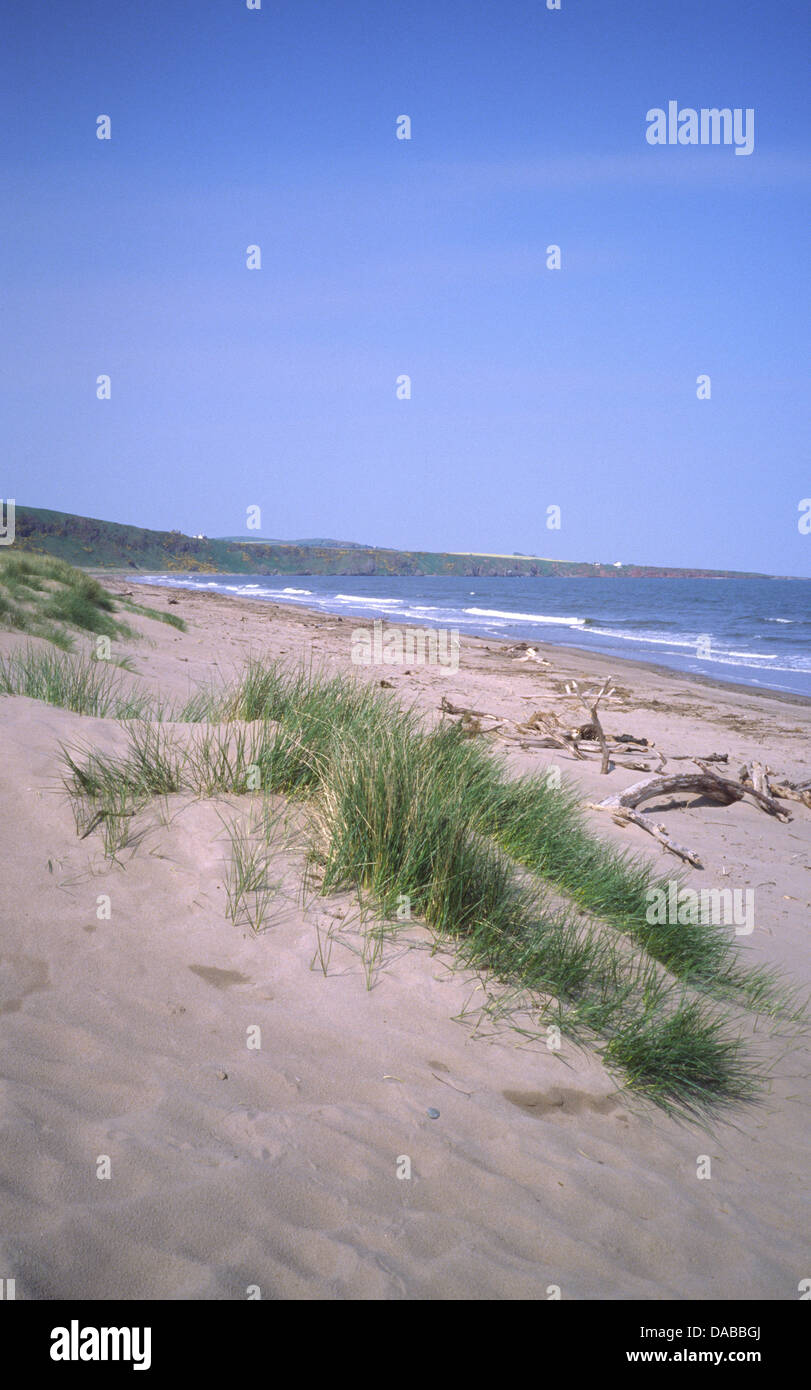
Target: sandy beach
[[241, 1159]]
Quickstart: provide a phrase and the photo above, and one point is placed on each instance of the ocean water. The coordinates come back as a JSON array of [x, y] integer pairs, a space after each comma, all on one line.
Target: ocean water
[[755, 632]]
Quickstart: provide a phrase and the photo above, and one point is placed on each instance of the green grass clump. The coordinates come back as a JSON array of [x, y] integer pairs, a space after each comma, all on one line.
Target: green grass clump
[[249, 889], [108, 792], [79, 684], [224, 758], [77, 609], [46, 597], [151, 766], [204, 705], [690, 1047], [11, 614]]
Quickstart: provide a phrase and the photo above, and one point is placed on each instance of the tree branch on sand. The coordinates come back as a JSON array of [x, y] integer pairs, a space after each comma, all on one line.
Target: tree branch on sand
[[590, 700], [707, 783]]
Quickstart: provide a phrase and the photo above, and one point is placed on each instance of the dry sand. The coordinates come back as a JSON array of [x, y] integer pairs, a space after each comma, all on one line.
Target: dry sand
[[235, 1166]]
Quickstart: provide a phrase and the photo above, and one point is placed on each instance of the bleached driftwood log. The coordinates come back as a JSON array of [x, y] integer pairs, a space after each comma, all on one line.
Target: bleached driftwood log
[[707, 783], [702, 784], [623, 806]]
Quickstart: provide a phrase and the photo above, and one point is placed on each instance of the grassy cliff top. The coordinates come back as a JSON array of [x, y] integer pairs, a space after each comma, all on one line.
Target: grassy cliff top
[[94, 544]]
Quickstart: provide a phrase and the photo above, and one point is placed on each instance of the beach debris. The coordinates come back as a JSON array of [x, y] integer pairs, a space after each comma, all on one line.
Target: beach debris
[[432, 1113], [470, 719], [547, 725], [764, 781], [642, 767], [546, 729], [764, 799], [707, 783], [590, 700], [625, 815], [387, 685], [531, 654], [470, 725], [448, 708], [708, 758], [450, 1083]]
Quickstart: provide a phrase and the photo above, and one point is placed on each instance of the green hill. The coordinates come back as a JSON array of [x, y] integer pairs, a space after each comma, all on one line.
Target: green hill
[[94, 544]]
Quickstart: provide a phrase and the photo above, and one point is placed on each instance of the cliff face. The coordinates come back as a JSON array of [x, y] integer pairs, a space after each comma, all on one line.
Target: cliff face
[[86, 541]]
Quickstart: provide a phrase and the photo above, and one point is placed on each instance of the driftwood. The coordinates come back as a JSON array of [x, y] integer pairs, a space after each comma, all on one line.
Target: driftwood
[[623, 806], [707, 783], [531, 655], [527, 744], [447, 708], [766, 802], [590, 700], [762, 780], [471, 726], [547, 731], [786, 792], [708, 758], [552, 734], [470, 719], [643, 767], [544, 729], [626, 815]]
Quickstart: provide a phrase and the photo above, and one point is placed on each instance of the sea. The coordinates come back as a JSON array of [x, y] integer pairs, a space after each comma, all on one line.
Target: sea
[[754, 632]]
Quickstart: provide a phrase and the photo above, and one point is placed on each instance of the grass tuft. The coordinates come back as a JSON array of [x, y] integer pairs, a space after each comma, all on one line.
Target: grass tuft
[[80, 684]]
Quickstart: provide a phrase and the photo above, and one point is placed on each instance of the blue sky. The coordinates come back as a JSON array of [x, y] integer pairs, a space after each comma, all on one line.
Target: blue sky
[[380, 257]]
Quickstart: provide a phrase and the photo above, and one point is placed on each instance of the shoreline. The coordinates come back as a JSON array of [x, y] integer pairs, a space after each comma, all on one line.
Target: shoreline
[[602, 659]]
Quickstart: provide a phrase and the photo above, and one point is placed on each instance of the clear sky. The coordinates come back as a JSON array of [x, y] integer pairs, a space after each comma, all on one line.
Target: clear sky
[[530, 387]]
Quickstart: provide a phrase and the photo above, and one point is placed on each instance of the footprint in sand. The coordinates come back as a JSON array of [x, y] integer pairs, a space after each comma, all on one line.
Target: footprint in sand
[[19, 977], [220, 979], [565, 1102]]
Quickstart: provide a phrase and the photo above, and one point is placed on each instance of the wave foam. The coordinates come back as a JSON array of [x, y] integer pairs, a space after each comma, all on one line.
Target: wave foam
[[540, 618]]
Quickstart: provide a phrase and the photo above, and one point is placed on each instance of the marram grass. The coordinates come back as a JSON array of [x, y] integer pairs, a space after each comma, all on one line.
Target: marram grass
[[48, 598], [77, 683], [396, 810]]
